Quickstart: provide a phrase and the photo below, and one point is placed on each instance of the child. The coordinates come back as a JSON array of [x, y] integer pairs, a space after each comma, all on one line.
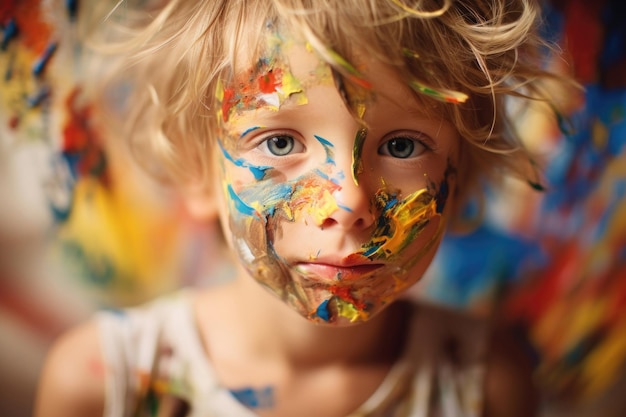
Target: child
[[335, 141]]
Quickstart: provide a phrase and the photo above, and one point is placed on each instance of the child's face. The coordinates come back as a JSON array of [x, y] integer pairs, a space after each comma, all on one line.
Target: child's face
[[336, 209]]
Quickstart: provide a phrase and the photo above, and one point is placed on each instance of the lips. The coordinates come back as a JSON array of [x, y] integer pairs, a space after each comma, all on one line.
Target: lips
[[335, 272]]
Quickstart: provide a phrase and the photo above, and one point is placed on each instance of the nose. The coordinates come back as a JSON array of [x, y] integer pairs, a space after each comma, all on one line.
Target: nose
[[354, 210]]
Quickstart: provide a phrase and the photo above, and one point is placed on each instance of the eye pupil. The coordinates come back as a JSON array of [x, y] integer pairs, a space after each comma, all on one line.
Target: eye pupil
[[280, 145], [401, 147]]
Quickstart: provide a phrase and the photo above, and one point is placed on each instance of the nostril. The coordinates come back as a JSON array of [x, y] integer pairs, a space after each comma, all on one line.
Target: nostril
[[328, 222], [359, 223]]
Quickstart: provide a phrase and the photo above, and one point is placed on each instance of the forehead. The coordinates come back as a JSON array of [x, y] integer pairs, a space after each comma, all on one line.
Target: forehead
[[285, 68]]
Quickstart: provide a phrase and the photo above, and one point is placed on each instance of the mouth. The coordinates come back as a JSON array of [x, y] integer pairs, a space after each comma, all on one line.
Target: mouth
[[336, 273]]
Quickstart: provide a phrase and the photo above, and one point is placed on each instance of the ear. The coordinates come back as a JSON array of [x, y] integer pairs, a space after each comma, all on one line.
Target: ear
[[200, 201]]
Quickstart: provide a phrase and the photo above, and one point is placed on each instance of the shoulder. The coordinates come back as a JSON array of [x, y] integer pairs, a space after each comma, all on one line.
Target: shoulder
[[86, 374], [72, 379], [509, 388]]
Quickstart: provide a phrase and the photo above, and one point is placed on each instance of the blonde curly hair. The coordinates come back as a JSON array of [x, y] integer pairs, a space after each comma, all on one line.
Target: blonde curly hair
[[169, 58]]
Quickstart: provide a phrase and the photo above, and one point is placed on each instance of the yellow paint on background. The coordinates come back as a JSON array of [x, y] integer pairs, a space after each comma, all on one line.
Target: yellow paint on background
[[122, 235], [603, 363]]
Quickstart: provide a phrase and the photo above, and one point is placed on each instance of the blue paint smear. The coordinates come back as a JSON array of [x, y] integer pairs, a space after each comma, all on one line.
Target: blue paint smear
[[327, 147], [268, 196], [391, 203], [10, 31], [245, 132], [321, 174], [240, 205], [372, 250], [322, 311], [255, 398], [257, 171], [40, 64]]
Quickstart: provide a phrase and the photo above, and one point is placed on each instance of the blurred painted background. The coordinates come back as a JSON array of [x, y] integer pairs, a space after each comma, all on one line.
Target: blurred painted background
[[82, 228]]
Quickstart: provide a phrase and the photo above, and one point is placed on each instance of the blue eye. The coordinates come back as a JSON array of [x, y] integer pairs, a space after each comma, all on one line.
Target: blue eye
[[279, 145], [401, 147]]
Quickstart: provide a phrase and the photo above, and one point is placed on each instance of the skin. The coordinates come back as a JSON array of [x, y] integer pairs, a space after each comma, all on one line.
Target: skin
[[312, 314], [370, 194]]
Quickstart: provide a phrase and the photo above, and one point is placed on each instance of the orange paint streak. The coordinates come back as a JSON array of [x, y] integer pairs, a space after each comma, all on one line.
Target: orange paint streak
[[34, 31], [269, 81], [345, 294]]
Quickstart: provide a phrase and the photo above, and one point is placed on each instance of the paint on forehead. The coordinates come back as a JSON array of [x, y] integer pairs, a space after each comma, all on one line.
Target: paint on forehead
[[268, 85], [357, 150], [257, 170]]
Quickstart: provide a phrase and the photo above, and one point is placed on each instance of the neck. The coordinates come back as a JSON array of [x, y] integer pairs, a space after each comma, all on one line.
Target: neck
[[271, 329]]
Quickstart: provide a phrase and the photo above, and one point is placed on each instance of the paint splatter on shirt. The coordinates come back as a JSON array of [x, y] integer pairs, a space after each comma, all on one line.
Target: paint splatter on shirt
[[155, 365]]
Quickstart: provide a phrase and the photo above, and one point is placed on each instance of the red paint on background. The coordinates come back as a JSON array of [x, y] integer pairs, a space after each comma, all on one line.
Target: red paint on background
[[34, 30]]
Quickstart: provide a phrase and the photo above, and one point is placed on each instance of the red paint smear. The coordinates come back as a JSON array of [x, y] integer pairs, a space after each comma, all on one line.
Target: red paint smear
[[82, 140], [248, 90], [584, 36], [34, 31], [227, 102], [14, 122], [345, 294], [534, 301], [28, 311], [268, 81]]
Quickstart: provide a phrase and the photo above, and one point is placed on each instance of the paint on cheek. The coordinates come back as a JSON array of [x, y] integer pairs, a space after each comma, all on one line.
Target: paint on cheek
[[238, 204], [444, 190], [328, 148], [256, 170], [399, 223], [309, 196]]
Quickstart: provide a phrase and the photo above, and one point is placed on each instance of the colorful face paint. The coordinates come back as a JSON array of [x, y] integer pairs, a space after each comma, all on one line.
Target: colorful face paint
[[268, 205], [357, 163], [335, 249], [269, 84]]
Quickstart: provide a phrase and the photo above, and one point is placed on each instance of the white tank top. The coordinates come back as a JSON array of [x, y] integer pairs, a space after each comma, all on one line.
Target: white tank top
[[155, 365]]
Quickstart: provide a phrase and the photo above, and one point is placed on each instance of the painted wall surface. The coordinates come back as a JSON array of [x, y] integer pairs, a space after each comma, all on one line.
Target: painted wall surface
[[82, 228], [555, 262]]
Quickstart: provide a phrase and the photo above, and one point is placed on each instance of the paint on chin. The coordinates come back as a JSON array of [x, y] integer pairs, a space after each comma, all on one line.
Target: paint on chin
[[258, 210]]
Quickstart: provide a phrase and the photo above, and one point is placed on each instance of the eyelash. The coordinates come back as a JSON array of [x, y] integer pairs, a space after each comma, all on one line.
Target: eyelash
[[414, 140], [262, 145]]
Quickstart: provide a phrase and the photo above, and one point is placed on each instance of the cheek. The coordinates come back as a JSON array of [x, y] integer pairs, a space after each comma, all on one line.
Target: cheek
[[412, 225]]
